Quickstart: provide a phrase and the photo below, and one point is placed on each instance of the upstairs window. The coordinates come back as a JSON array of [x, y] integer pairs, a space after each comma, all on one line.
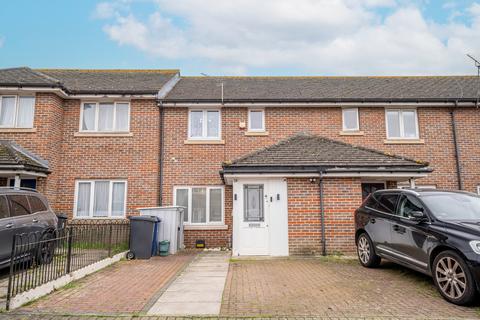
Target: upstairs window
[[402, 124], [17, 111], [204, 124], [256, 120], [350, 119], [105, 117]]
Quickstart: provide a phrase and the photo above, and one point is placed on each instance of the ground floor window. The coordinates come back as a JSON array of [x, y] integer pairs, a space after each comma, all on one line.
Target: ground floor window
[[204, 205], [100, 199]]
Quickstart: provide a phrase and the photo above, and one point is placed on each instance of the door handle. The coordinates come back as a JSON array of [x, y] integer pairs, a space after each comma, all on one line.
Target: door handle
[[373, 220], [34, 220], [9, 225], [398, 229]]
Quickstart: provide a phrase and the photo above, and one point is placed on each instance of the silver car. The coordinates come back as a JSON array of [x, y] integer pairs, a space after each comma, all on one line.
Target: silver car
[[23, 211]]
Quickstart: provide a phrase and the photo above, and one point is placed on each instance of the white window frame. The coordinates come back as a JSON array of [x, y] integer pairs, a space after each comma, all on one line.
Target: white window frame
[[204, 124], [189, 213], [92, 194], [344, 128], [97, 107], [478, 189], [402, 133], [250, 122], [17, 105]]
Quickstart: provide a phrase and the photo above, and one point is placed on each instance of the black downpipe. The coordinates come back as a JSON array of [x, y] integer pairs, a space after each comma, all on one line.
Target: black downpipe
[[457, 150], [160, 157], [322, 215]]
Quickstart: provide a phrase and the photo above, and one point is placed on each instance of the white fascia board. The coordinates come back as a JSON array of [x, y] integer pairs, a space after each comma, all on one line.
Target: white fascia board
[[319, 104], [397, 176], [25, 173]]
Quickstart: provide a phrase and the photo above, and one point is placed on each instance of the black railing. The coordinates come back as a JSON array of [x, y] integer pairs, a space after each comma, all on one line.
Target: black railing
[[40, 257]]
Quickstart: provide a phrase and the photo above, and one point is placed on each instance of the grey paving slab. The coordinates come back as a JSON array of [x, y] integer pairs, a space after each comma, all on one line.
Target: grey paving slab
[[198, 290]]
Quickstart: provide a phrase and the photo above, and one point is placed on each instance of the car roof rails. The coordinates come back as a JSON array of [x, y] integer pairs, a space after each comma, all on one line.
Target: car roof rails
[[19, 189]]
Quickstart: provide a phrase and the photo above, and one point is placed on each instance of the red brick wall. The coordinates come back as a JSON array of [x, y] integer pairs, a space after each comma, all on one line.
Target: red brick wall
[[192, 165], [45, 141], [134, 158]]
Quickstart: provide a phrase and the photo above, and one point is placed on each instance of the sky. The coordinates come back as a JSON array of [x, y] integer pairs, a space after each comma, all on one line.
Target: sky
[[244, 37]]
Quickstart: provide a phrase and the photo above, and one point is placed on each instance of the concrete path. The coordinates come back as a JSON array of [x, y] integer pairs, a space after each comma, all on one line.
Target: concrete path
[[198, 290]]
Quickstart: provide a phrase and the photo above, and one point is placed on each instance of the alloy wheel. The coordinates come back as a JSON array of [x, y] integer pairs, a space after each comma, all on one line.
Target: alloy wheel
[[451, 277], [363, 248]]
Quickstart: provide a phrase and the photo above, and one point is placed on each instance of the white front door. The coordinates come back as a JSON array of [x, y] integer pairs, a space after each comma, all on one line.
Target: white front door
[[260, 217]]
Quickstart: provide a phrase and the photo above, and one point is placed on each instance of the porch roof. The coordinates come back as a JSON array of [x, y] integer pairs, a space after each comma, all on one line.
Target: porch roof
[[303, 153], [15, 159]]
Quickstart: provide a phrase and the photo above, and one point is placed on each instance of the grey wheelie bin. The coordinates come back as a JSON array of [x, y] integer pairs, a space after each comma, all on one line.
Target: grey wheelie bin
[[143, 237]]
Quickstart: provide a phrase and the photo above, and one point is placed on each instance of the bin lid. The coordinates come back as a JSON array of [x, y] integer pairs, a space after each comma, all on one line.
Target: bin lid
[[145, 218]]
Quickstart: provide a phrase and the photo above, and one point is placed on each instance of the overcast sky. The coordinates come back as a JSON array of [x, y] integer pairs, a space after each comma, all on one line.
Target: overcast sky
[[245, 37]]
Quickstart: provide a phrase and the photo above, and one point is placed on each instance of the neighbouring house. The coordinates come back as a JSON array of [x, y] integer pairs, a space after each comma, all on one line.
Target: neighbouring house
[[265, 165]]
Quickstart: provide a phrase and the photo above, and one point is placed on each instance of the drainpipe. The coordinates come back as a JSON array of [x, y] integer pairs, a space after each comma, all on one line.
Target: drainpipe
[[322, 214], [457, 149], [160, 157]]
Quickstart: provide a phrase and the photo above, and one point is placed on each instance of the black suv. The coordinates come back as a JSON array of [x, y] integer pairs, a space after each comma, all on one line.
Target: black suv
[[23, 211], [432, 231]]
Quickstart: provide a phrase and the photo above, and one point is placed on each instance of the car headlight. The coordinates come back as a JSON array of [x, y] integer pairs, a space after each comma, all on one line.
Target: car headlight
[[475, 244]]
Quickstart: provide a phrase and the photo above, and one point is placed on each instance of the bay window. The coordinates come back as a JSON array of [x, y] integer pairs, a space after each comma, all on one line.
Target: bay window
[[401, 124], [204, 124], [203, 205], [17, 111], [105, 117], [100, 199]]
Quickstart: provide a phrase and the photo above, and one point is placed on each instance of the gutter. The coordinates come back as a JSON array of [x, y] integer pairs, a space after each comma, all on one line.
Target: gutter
[[457, 149], [322, 213]]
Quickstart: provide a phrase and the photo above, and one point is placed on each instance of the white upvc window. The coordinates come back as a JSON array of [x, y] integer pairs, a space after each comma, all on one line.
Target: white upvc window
[[204, 124], [256, 120], [204, 205], [478, 189], [17, 111], [100, 199], [350, 120], [105, 117], [401, 123]]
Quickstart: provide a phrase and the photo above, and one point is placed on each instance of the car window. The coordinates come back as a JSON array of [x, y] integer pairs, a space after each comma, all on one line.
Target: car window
[[4, 211], [388, 202], [409, 204], [36, 204], [18, 205], [371, 202]]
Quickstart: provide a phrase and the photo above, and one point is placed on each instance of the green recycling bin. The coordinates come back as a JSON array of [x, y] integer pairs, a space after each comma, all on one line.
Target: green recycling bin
[[164, 248]]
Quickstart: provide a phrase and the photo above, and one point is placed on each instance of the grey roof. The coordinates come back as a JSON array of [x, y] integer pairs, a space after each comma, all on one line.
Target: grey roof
[[311, 152], [14, 157], [83, 81], [328, 89], [24, 76]]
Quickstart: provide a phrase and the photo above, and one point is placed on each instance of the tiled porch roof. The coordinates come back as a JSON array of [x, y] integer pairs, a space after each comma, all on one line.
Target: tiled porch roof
[[311, 152], [15, 158]]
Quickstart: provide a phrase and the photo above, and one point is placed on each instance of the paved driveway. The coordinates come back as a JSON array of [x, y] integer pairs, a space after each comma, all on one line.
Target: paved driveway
[[337, 289]]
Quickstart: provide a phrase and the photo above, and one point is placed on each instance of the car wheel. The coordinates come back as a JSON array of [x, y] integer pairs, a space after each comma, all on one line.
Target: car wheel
[[46, 249], [453, 279], [366, 253]]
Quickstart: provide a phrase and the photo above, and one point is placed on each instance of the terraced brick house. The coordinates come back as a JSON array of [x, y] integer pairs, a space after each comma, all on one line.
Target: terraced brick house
[[264, 165]]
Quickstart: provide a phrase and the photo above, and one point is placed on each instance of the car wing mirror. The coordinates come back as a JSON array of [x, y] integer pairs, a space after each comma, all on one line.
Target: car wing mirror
[[418, 216]]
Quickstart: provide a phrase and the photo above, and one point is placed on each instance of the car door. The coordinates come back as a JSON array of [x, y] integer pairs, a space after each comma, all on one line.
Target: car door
[[6, 230], [381, 208], [410, 238]]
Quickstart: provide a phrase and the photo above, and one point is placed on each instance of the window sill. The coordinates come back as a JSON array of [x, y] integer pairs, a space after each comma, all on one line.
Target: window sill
[[18, 130], [103, 134], [256, 133], [204, 142], [205, 227], [351, 133], [404, 141]]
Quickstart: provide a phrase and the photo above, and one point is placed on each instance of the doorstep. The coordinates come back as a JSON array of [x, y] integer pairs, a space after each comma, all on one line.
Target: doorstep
[[198, 290]]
